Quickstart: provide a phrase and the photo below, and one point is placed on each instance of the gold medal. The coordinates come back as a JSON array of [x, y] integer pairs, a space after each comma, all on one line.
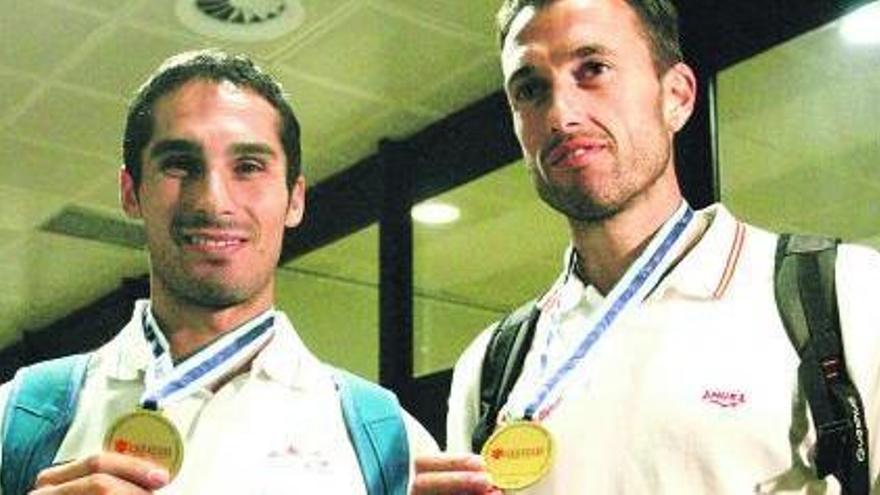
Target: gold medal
[[518, 454], [148, 435]]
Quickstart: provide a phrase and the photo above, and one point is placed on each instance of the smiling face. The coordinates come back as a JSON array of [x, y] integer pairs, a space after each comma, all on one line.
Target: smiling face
[[213, 196], [594, 119]]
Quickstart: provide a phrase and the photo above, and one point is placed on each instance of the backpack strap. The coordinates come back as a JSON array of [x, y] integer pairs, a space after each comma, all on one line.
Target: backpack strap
[[807, 302], [40, 407], [377, 432], [502, 365]]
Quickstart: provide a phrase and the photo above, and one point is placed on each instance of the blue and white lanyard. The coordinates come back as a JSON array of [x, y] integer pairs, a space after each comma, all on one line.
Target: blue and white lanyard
[[166, 383], [628, 293]]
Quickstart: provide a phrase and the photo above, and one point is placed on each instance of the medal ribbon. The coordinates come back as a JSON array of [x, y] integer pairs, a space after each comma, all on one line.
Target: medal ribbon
[[628, 293], [166, 382]]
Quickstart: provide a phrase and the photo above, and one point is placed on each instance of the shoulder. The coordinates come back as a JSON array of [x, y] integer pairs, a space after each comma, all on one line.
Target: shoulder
[[857, 274], [858, 263], [4, 396], [420, 441], [468, 366], [464, 395]]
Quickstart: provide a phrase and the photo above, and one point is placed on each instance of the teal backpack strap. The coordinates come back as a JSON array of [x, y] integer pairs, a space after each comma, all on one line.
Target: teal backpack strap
[[807, 302], [39, 410], [375, 426]]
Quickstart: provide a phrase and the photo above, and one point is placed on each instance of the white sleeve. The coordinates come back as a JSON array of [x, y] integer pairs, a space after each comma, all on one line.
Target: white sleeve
[[420, 441], [464, 395], [857, 275], [4, 395]]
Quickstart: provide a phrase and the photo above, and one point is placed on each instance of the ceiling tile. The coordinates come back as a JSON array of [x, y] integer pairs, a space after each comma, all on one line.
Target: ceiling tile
[[24, 209], [76, 120], [466, 86], [124, 60], [15, 88], [476, 16], [49, 170], [361, 139], [35, 37], [382, 55], [103, 193], [99, 7], [326, 114]]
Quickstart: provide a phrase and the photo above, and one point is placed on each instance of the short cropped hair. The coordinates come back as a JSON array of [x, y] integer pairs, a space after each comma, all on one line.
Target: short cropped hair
[[206, 65], [658, 18]]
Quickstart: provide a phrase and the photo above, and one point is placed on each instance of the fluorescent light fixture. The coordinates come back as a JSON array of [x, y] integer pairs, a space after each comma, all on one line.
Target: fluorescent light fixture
[[862, 26], [435, 213]]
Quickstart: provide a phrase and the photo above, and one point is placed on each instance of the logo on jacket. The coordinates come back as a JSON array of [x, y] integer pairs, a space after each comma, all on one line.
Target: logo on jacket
[[724, 398]]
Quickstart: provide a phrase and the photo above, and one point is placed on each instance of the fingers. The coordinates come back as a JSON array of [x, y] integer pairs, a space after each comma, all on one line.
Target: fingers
[[449, 462], [444, 474], [87, 475], [95, 484]]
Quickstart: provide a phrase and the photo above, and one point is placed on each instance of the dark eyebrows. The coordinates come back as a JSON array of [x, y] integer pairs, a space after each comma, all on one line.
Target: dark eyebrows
[[587, 51], [252, 149], [183, 146], [174, 146]]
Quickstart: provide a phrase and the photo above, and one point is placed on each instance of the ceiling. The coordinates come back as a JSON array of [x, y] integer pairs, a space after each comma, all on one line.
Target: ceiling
[[798, 149]]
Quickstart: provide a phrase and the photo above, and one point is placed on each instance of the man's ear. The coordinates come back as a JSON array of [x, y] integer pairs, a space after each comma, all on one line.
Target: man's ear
[[679, 95], [296, 204], [128, 194]]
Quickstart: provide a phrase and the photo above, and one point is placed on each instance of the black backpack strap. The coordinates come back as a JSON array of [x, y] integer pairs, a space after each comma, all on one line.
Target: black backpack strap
[[502, 364], [807, 302]]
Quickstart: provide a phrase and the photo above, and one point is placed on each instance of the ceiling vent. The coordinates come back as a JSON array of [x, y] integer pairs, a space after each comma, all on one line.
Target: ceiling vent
[[241, 20]]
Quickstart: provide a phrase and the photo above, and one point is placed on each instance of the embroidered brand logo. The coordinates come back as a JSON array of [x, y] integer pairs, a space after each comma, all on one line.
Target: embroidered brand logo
[[861, 448], [724, 398]]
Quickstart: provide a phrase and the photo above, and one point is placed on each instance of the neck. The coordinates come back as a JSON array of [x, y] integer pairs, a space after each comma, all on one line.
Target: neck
[[607, 248], [189, 327]]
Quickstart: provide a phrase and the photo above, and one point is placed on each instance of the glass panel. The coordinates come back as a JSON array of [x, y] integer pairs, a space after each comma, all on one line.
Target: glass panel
[[331, 296], [799, 137], [504, 249]]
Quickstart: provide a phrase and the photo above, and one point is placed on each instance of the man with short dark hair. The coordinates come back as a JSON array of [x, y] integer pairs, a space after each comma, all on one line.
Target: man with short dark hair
[[658, 362], [209, 389]]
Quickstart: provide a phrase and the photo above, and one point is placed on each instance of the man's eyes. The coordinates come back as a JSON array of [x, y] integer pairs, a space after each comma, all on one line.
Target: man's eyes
[[249, 166], [179, 165], [528, 90], [187, 166], [534, 89], [590, 69]]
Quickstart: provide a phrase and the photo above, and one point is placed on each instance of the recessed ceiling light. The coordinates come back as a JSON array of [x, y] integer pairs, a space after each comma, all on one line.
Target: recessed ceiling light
[[435, 213], [862, 26], [241, 20]]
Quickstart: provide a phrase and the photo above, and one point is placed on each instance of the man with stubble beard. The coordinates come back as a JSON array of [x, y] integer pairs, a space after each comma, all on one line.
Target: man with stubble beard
[[657, 362], [209, 389]]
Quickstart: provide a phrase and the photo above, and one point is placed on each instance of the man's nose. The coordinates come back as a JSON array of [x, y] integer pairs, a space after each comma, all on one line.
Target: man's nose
[[566, 112], [210, 194]]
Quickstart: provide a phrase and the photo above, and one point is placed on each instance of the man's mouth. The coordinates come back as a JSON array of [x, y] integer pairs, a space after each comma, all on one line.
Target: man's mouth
[[213, 241], [574, 152]]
